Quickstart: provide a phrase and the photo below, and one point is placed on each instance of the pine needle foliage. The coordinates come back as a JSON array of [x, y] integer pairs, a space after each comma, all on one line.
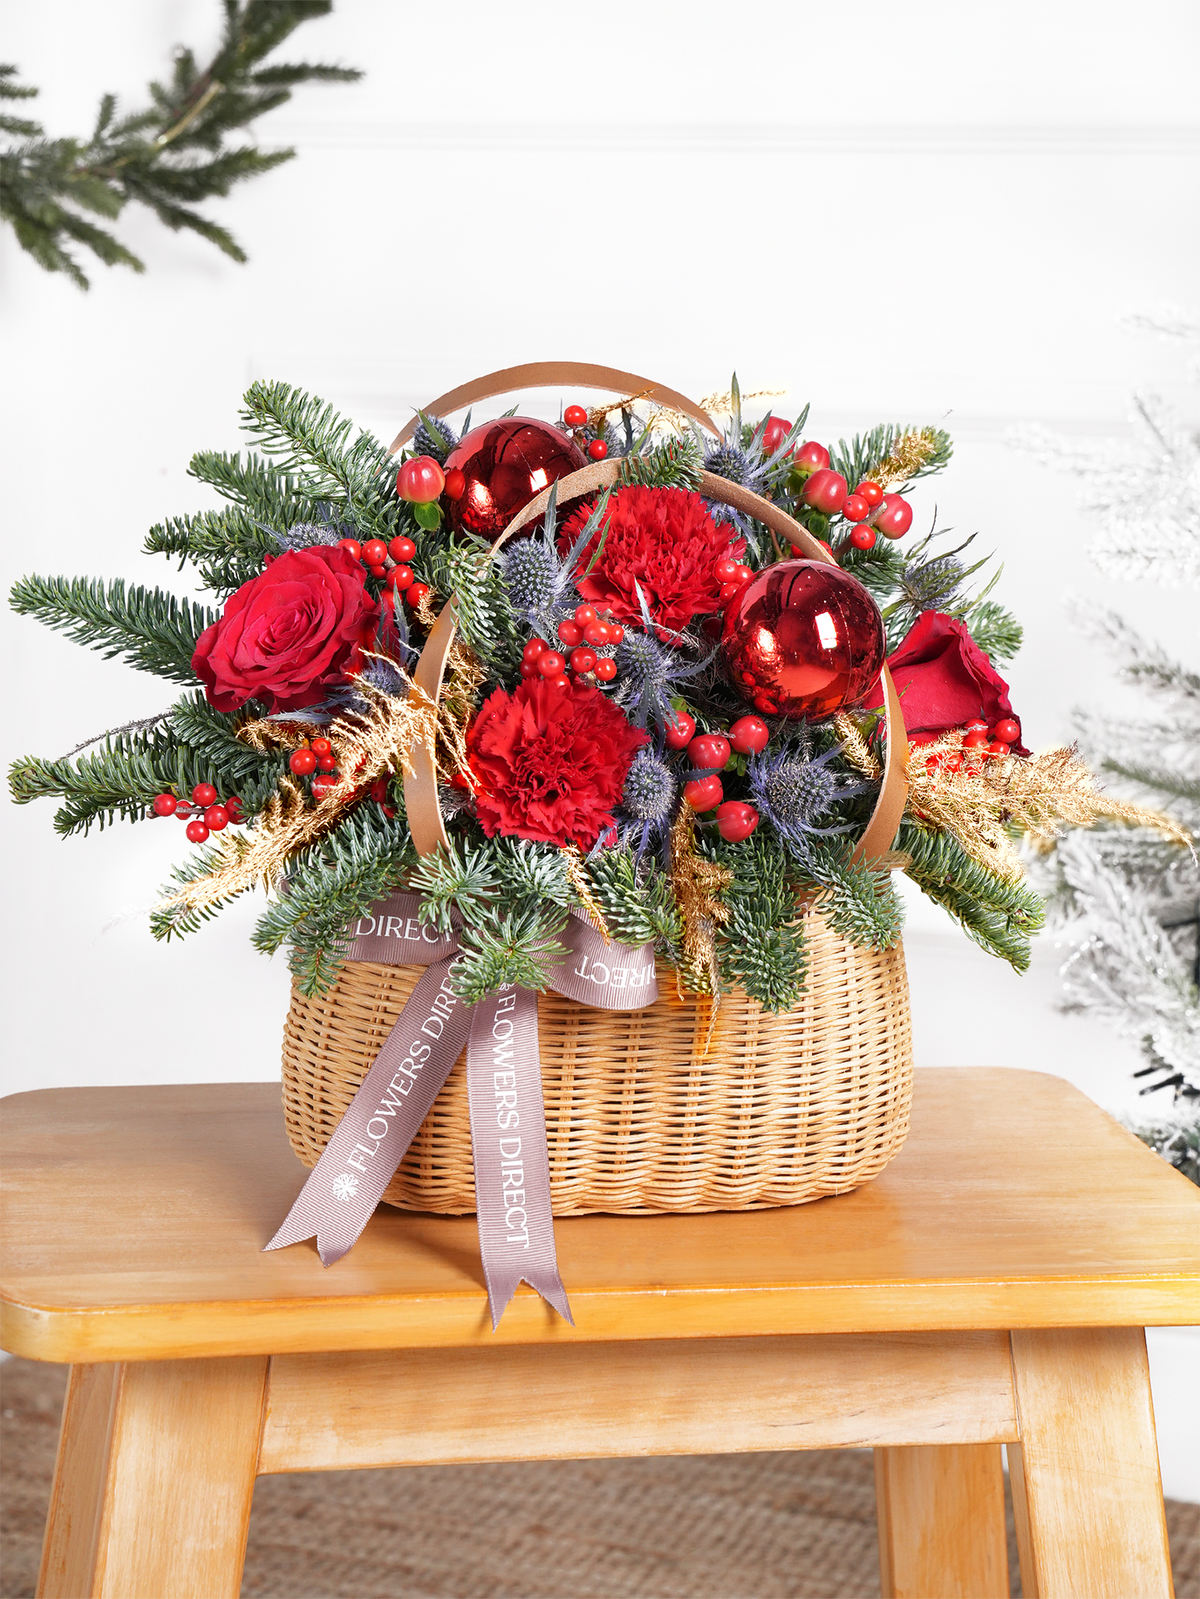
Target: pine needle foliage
[[859, 903], [1000, 915], [638, 906], [761, 946], [171, 156], [676, 463], [866, 454], [483, 611], [152, 630]]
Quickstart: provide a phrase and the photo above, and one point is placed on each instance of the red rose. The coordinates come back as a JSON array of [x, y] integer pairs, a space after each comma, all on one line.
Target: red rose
[[550, 762], [944, 680], [666, 542], [289, 633]]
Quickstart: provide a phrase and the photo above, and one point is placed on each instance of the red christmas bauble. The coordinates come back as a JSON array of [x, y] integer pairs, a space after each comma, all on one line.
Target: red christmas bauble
[[505, 465], [803, 639]]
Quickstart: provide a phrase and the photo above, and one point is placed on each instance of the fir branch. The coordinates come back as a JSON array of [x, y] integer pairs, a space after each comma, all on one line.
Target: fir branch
[[152, 630], [761, 945], [995, 629], [455, 878], [892, 454], [676, 463], [483, 610], [860, 904], [998, 914], [170, 156], [513, 947], [638, 908], [227, 547], [211, 735]]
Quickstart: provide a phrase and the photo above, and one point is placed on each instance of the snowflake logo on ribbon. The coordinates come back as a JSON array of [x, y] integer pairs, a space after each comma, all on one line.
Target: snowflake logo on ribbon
[[345, 1187]]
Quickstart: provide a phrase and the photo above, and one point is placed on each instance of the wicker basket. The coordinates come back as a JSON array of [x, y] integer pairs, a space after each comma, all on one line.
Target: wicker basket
[[780, 1110], [640, 1117]]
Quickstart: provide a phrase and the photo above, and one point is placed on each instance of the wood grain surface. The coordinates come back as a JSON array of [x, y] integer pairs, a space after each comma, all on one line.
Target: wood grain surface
[[135, 1220], [941, 1522]]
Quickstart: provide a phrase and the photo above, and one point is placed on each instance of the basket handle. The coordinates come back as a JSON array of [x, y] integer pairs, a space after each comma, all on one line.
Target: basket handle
[[546, 374], [420, 781]]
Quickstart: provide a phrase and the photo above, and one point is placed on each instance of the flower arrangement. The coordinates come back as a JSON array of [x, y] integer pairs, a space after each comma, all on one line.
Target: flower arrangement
[[654, 712]]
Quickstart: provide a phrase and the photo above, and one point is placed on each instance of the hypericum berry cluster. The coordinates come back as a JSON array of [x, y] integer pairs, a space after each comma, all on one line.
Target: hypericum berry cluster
[[390, 561], [216, 813], [576, 417], [980, 743], [317, 761], [709, 754], [422, 483], [581, 637], [866, 507]]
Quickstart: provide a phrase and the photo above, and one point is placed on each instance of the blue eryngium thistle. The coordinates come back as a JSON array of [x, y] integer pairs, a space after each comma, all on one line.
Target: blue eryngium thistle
[[434, 437], [794, 792], [648, 800], [647, 674], [540, 585]]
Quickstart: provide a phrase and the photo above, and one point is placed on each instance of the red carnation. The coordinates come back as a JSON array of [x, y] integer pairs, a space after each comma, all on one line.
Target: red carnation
[[550, 762], [663, 540], [289, 633], [944, 680]]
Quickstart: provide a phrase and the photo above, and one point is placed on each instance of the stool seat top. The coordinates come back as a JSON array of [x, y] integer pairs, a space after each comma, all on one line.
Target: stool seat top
[[134, 1220]]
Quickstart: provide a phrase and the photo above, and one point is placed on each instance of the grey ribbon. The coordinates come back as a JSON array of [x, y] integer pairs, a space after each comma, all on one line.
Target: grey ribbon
[[504, 1092]]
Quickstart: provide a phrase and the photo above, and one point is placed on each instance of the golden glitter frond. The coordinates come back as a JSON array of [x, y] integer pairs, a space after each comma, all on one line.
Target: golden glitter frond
[[988, 799], [665, 419], [266, 736], [426, 614], [573, 860], [697, 883], [908, 455], [854, 745], [722, 404], [599, 414]]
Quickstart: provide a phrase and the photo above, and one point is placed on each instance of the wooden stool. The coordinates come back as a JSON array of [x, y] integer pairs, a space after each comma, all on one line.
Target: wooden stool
[[990, 1288]]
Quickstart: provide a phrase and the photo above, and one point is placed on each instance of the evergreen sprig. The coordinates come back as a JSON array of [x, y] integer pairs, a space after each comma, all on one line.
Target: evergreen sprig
[[858, 902], [153, 630], [674, 464], [483, 611], [999, 915], [863, 455], [171, 156], [638, 906], [762, 945]]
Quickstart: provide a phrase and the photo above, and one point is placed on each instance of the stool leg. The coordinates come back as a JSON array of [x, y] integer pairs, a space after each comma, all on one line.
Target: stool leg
[[1086, 1487], [155, 1475], [941, 1522]]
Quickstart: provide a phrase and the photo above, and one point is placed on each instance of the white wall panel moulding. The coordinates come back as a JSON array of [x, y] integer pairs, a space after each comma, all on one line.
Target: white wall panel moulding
[[751, 138]]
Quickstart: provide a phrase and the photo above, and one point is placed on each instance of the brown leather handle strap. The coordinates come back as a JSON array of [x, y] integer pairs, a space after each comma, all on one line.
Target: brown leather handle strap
[[547, 374], [420, 782]]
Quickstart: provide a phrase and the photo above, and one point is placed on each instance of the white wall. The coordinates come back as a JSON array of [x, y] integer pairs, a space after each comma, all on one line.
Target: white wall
[[921, 212]]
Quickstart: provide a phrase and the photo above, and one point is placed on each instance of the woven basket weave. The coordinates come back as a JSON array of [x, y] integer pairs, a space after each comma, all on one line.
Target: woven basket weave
[[639, 1118]]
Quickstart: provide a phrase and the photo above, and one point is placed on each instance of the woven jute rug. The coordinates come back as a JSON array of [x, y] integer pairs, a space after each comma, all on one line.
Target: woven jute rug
[[771, 1526]]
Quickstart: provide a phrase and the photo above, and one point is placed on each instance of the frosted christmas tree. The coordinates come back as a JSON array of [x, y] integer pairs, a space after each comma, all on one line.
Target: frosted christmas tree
[[1128, 899]]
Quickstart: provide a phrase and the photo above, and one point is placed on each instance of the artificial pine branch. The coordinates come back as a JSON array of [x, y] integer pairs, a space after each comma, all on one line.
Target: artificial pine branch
[[154, 631], [227, 547], [212, 736], [170, 156], [484, 612], [1000, 915], [514, 946], [859, 903], [638, 908], [761, 945], [891, 453], [674, 464]]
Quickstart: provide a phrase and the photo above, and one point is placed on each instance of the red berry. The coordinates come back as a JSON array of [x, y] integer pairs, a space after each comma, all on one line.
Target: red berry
[[165, 805], [570, 633], [374, 552], [215, 818], [977, 726], [774, 433], [597, 633], [863, 538], [709, 752], [583, 660], [402, 549], [811, 456], [197, 832], [327, 762], [606, 668], [529, 669], [725, 571], [320, 746], [535, 647], [681, 732], [456, 484], [975, 741], [203, 794], [894, 517], [233, 807], [182, 811], [324, 785], [420, 481], [379, 789], [415, 593], [825, 491], [575, 416], [550, 663], [749, 735], [561, 681], [952, 761], [302, 762], [400, 577], [1008, 730], [615, 632], [728, 590], [597, 449], [932, 762], [352, 547], [585, 614], [871, 492], [702, 793], [736, 820], [855, 508], [378, 571], [742, 574], [997, 747]]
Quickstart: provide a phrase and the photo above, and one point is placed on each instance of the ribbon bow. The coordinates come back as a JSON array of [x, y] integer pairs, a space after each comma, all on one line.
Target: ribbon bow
[[504, 1093]]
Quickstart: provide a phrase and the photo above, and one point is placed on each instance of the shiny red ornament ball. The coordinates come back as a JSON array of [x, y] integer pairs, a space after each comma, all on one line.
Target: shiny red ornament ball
[[863, 538], [1008, 730], [215, 818], [871, 492], [855, 508], [774, 434], [302, 762], [825, 491], [736, 820], [811, 456], [679, 734], [803, 640], [505, 465], [606, 668], [702, 793], [575, 416], [893, 518], [420, 480], [749, 735], [708, 752], [597, 449], [203, 794], [165, 805], [197, 832]]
